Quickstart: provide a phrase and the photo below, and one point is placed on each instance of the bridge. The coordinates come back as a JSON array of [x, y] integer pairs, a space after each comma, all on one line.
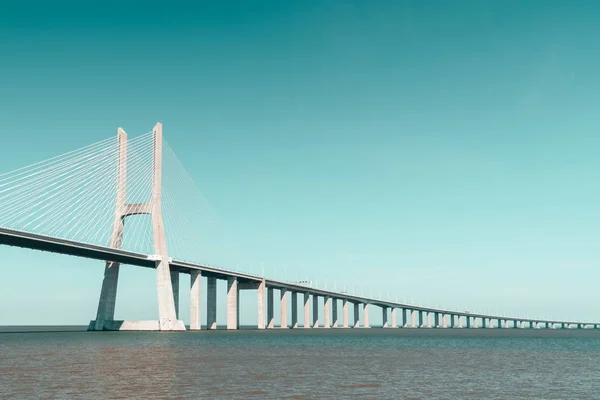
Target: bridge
[[78, 204]]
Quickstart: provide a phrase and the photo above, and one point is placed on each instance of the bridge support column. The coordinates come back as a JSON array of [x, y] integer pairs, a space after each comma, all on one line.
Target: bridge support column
[[211, 302], [475, 323], [436, 321], [334, 312], [366, 323], [283, 309], [460, 321], [394, 320], [270, 312], [294, 310], [166, 303], [327, 312], [315, 302], [167, 315], [306, 310], [195, 299], [262, 288], [413, 318], [405, 318], [175, 287], [468, 321], [444, 321], [108, 297], [384, 316], [232, 303], [356, 315], [345, 314], [108, 294]]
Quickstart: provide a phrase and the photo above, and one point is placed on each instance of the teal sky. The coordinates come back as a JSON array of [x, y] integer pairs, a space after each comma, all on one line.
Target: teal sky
[[444, 152]]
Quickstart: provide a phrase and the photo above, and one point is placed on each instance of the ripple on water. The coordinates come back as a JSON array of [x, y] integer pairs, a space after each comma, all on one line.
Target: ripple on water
[[394, 364]]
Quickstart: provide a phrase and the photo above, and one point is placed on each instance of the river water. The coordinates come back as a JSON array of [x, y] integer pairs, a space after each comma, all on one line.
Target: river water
[[302, 364]]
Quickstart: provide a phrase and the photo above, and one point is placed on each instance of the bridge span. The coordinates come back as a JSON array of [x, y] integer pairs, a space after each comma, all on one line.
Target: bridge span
[[70, 203], [394, 314]]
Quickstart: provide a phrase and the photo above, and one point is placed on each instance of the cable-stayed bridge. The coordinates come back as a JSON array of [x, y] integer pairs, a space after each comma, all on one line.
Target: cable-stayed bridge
[[130, 201]]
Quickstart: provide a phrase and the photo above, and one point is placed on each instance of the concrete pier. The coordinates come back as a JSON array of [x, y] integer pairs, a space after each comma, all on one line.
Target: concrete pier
[[306, 310], [327, 312], [384, 316], [356, 316], [345, 313], [394, 320], [334, 312], [421, 320], [283, 308], [436, 321], [366, 323], [468, 321], [294, 310], [460, 322], [175, 288], [270, 310], [262, 288], [405, 318], [232, 303], [413, 317], [315, 303], [444, 321], [428, 320], [195, 300], [211, 302]]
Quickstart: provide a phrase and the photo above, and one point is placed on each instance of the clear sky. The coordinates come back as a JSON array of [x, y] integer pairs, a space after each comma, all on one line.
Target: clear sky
[[444, 152]]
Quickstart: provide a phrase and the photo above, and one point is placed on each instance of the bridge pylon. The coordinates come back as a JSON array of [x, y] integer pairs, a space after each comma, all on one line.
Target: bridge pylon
[[167, 310]]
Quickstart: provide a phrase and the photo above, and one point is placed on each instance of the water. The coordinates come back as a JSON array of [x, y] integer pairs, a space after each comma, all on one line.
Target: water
[[310, 364]]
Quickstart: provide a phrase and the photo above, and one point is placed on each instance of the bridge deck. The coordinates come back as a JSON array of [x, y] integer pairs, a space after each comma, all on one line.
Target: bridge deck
[[63, 246]]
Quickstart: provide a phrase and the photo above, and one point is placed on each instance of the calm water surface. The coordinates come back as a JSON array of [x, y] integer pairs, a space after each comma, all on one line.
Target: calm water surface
[[310, 364]]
